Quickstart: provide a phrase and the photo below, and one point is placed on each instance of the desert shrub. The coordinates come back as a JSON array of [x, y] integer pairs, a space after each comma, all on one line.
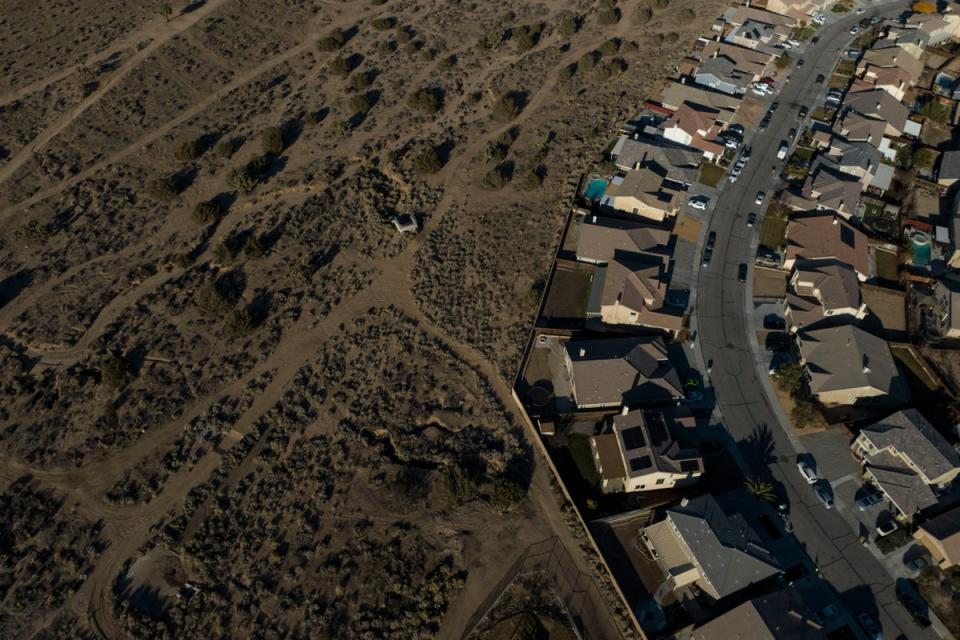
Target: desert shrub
[[428, 161], [360, 103], [567, 71], [332, 42], [506, 494], [339, 66], [497, 178], [448, 62], [569, 24], [207, 212], [455, 488], [644, 15], [253, 246], [687, 14], [610, 47], [405, 35], [608, 16], [241, 179], [508, 106], [671, 37], [240, 322], [271, 141], [164, 187], [187, 150], [313, 117], [790, 377], [361, 80], [115, 371], [659, 4], [607, 4], [589, 60], [340, 129], [532, 178], [413, 47], [804, 414], [428, 100], [527, 36], [384, 23], [225, 148]]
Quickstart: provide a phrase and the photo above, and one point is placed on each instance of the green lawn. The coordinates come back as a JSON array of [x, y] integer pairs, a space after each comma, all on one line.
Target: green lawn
[[773, 229], [846, 68], [710, 174], [805, 32], [838, 81], [937, 112], [887, 268], [569, 293], [579, 448], [892, 542]]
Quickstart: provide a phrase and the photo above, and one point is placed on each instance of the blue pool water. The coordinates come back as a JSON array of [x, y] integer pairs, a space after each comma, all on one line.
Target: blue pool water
[[921, 254], [595, 189]]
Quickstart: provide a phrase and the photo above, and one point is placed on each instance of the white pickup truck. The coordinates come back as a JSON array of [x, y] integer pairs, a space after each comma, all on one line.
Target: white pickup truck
[[782, 151]]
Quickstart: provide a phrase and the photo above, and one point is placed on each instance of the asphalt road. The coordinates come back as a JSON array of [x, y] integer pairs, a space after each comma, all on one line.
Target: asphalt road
[[723, 324]]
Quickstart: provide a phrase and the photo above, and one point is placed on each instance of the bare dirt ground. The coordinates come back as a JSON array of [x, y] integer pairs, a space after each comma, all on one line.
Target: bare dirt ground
[[216, 348]]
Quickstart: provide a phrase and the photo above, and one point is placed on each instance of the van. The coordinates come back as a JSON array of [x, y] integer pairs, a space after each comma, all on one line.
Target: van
[[782, 151]]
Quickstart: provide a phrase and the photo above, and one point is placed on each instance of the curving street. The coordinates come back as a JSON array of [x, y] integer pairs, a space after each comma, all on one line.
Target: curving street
[[725, 336]]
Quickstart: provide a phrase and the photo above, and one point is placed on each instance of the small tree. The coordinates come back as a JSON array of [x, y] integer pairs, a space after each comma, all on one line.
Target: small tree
[[427, 161], [608, 16], [207, 212], [165, 10], [790, 377], [271, 141], [508, 106], [497, 178], [115, 371], [804, 414], [783, 61], [384, 24], [569, 24], [241, 180], [332, 42], [360, 103], [225, 148], [188, 150], [761, 490], [506, 494], [164, 187], [340, 66], [644, 15], [428, 100]]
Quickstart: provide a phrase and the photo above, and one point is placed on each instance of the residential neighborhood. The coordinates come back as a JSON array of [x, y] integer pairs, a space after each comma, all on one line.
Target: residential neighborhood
[[746, 360]]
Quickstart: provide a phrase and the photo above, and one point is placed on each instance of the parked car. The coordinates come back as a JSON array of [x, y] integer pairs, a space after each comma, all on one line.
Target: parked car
[[792, 133], [782, 151], [773, 106], [874, 19], [917, 565], [820, 78], [731, 143], [800, 62], [853, 53], [860, 11], [824, 494], [814, 39], [742, 272], [751, 218], [697, 203], [707, 254], [864, 23], [737, 129], [887, 526], [803, 112], [914, 606], [869, 499], [807, 471], [711, 239], [854, 30], [764, 124], [760, 196], [870, 626]]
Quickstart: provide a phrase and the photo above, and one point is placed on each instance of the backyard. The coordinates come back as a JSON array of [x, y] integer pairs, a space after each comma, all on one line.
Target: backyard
[[773, 229], [941, 590], [887, 265], [711, 174], [569, 292]]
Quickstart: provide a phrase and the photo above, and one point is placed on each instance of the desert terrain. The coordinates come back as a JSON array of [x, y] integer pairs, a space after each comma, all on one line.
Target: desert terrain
[[236, 401]]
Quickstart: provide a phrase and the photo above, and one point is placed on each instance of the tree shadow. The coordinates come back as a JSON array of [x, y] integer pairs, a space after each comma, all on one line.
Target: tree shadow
[[759, 450], [13, 285]]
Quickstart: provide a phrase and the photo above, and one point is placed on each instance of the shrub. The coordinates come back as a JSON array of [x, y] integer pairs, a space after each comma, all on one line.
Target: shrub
[[340, 128], [225, 148], [164, 187], [610, 47], [384, 24], [332, 42], [588, 60], [497, 178], [644, 15], [790, 377], [506, 494], [456, 488], [207, 212], [569, 24], [241, 180], [448, 63], [508, 106], [312, 118], [115, 371], [607, 4], [339, 65], [361, 80], [526, 37], [405, 35], [271, 141], [660, 4], [360, 103], [608, 16], [533, 178], [187, 150], [687, 14], [427, 161], [804, 414], [671, 37], [783, 61], [253, 246], [428, 100], [240, 322], [568, 71]]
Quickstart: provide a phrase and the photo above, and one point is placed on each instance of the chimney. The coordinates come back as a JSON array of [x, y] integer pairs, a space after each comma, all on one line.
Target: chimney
[[593, 219], [866, 364], [625, 410], [835, 221], [583, 352], [684, 502]]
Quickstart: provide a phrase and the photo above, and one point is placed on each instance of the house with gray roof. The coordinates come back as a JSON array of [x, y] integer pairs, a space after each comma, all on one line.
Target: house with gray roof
[[612, 372], [600, 238], [639, 453], [832, 189], [698, 544], [780, 615], [721, 74], [949, 171], [672, 161], [821, 293], [947, 293], [881, 105], [848, 366]]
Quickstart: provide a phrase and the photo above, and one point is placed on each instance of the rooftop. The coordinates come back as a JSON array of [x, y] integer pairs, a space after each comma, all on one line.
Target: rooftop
[[612, 371], [900, 484], [648, 446], [910, 434], [847, 357], [822, 237]]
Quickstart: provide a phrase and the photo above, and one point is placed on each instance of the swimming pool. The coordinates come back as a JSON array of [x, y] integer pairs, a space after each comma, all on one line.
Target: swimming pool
[[595, 189]]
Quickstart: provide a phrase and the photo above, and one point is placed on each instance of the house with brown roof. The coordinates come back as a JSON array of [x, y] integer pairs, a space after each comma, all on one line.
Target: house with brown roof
[[675, 94], [698, 544], [906, 457], [936, 27], [695, 126], [880, 105], [828, 238], [781, 615], [855, 127], [630, 290], [748, 61], [639, 453], [612, 372], [893, 80], [832, 189], [674, 162], [886, 54], [800, 10], [847, 366], [600, 238], [941, 537], [821, 293], [645, 193]]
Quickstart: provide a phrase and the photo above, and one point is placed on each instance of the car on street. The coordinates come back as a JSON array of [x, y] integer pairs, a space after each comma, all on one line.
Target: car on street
[[917, 565], [711, 239], [887, 526], [914, 606], [814, 39], [697, 203], [860, 11], [853, 53], [751, 218], [823, 493], [760, 196], [774, 105], [807, 471], [820, 78], [870, 626], [742, 272], [782, 151], [764, 123], [731, 143], [792, 133], [868, 499], [734, 175], [874, 19], [803, 112], [854, 30], [707, 254], [864, 23], [800, 62]]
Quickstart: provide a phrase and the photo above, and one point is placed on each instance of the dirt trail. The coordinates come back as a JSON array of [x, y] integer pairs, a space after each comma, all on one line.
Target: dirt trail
[[159, 33]]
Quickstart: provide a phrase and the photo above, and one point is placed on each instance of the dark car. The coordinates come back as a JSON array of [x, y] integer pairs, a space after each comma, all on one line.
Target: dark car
[[777, 342], [711, 239], [764, 123], [707, 254], [821, 77], [793, 133], [737, 129], [815, 40], [774, 105], [913, 607], [800, 62], [751, 218], [803, 112], [742, 272]]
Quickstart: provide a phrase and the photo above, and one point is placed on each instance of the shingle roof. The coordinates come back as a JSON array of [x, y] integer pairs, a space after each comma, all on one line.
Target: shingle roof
[[909, 433], [780, 615], [880, 104], [847, 357], [901, 485], [950, 165], [676, 162], [601, 237], [828, 237], [655, 449], [614, 370], [728, 550], [837, 285], [946, 529]]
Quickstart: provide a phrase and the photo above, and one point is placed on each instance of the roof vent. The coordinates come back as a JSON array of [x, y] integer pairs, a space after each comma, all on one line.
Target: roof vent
[[866, 364], [583, 352], [684, 502], [878, 105], [625, 410], [593, 219], [835, 221]]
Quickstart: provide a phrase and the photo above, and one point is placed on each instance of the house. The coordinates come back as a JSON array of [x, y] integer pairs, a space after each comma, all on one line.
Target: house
[[800, 10], [781, 615], [611, 372], [675, 94], [880, 105], [827, 237], [848, 366], [887, 54], [645, 193], [675, 162], [747, 61], [935, 27], [743, 14], [819, 293], [947, 293], [758, 35], [720, 73], [893, 80], [862, 160], [600, 238], [698, 544], [695, 126], [913, 41], [832, 189], [630, 290], [855, 127], [941, 537], [949, 171], [906, 457], [640, 454]]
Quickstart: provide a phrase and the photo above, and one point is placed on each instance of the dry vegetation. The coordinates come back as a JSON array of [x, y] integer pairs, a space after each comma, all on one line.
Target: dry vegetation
[[215, 342]]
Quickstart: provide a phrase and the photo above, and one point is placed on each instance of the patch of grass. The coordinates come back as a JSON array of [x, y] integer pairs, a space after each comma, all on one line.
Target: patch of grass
[[846, 68], [907, 359], [887, 268], [805, 32], [773, 229], [579, 447], [937, 112], [710, 174], [838, 81], [890, 543], [872, 210]]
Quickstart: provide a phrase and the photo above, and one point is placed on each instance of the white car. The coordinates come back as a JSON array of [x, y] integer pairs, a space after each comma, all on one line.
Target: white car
[[854, 30], [861, 11], [698, 204], [760, 196], [807, 472]]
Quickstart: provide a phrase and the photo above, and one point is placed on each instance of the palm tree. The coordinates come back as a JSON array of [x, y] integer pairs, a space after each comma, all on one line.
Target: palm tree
[[761, 489]]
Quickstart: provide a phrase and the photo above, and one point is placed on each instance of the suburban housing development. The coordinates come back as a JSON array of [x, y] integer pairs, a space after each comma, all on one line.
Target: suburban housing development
[[751, 332]]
